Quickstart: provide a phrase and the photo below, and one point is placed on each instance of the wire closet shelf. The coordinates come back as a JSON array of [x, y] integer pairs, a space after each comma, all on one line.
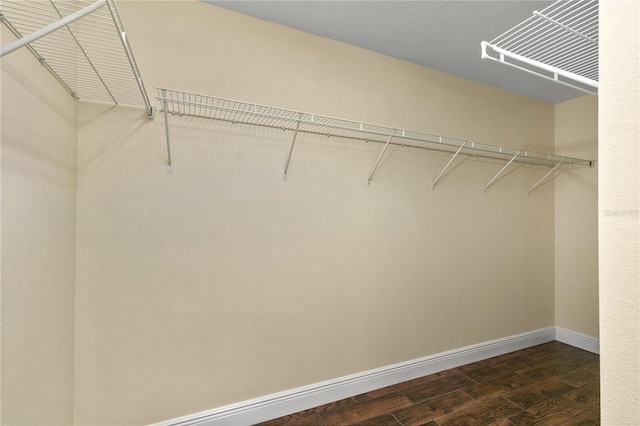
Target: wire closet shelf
[[82, 44], [559, 43], [183, 103]]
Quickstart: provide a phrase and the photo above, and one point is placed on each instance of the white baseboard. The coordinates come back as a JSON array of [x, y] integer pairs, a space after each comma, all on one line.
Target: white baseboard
[[302, 398], [578, 340]]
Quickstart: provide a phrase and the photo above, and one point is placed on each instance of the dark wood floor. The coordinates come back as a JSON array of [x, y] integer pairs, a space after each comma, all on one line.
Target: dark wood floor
[[550, 384]]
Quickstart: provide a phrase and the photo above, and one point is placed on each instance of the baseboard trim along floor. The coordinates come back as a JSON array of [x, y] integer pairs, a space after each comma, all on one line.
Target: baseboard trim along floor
[[578, 340], [302, 398]]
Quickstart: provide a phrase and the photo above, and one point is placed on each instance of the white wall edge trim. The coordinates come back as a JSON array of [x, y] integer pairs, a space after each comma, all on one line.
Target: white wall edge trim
[[302, 398], [578, 340]]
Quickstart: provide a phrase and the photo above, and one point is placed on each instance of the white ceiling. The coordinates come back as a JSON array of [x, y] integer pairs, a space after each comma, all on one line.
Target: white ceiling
[[444, 35]]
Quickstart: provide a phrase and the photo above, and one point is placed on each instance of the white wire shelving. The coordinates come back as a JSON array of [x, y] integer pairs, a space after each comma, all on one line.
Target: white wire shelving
[[82, 44], [181, 103], [559, 43]]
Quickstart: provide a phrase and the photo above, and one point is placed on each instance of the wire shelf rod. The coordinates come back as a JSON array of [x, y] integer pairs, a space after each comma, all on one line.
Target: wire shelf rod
[[583, 25], [582, 68], [518, 35], [100, 28], [116, 76], [564, 56], [91, 51], [559, 9], [536, 28], [39, 57], [567, 43], [592, 74], [537, 64], [576, 65], [556, 78], [29, 22], [88, 83], [35, 9], [559, 41], [568, 20], [129, 54], [54, 26], [63, 57], [207, 107], [101, 47], [84, 53], [57, 42], [571, 15], [542, 42], [545, 41], [573, 24]]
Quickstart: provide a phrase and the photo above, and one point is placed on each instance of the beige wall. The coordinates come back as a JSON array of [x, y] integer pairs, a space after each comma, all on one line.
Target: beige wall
[[38, 243], [619, 204], [576, 218], [220, 282]]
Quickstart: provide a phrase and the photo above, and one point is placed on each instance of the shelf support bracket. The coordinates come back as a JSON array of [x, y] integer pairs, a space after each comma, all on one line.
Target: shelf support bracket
[[293, 143], [166, 130], [501, 171], [375, 165], [433, 185], [539, 182], [54, 26]]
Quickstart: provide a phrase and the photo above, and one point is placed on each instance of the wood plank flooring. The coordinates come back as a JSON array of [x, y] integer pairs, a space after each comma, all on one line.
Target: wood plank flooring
[[546, 385]]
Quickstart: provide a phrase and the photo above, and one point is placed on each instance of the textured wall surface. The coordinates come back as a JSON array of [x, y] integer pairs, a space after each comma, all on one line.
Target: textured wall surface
[[619, 185], [576, 213], [220, 282], [38, 243]]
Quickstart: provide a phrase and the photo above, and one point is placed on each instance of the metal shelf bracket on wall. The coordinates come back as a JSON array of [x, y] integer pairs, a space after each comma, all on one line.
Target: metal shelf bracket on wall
[[209, 107], [377, 163], [166, 130], [542, 179], [90, 57], [501, 171], [293, 143], [433, 185]]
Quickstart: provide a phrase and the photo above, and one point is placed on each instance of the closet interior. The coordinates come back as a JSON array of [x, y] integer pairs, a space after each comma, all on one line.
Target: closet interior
[[84, 46]]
